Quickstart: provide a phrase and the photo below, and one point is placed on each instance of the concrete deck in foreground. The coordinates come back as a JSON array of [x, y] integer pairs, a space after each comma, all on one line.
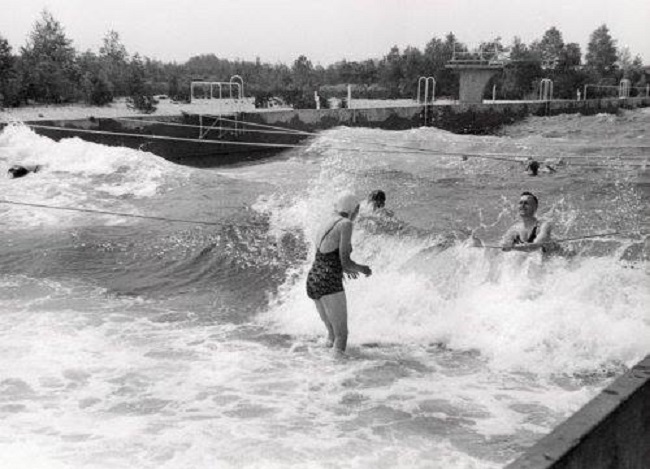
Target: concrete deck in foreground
[[612, 431]]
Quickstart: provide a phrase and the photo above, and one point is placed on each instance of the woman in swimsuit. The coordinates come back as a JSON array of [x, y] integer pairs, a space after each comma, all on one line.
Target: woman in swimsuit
[[325, 279], [530, 233]]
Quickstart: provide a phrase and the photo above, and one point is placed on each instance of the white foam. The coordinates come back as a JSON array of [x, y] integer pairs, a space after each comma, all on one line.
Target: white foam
[[557, 316], [77, 174]]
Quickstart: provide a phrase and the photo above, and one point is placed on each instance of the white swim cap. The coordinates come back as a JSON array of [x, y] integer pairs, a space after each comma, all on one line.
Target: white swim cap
[[346, 203]]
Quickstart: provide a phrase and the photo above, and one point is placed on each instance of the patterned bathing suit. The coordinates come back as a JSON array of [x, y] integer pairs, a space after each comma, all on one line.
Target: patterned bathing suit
[[326, 274]]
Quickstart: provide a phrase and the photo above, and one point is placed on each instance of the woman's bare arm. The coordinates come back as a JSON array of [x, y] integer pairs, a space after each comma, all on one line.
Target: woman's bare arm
[[345, 250]]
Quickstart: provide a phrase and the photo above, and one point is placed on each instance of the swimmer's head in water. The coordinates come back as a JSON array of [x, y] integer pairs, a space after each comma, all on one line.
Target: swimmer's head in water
[[528, 203], [377, 198], [347, 204], [533, 167], [17, 171]]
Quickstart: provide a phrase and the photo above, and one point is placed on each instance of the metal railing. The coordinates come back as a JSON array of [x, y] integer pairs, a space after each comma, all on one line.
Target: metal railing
[[478, 57], [233, 81], [624, 89], [423, 94], [425, 99], [211, 85], [546, 89]]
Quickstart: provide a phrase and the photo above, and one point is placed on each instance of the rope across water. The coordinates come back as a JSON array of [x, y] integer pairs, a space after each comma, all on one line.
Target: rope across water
[[242, 225], [398, 149], [579, 238], [129, 215]]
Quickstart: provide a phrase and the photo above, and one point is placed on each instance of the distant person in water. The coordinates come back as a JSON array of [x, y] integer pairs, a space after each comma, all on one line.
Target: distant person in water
[[529, 234], [533, 167], [377, 203], [377, 199], [376, 218], [325, 279], [18, 171]]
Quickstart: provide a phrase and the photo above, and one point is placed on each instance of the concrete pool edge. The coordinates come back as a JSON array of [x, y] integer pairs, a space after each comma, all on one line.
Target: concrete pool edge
[[610, 431]]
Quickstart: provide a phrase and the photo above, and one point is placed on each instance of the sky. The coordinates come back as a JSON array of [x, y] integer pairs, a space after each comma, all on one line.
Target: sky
[[326, 31]]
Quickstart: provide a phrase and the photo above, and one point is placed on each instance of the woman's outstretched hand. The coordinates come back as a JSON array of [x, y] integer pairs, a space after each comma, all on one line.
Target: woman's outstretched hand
[[365, 270]]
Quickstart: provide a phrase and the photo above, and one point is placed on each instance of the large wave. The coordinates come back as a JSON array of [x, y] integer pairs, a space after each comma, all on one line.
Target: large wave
[[80, 174], [583, 313]]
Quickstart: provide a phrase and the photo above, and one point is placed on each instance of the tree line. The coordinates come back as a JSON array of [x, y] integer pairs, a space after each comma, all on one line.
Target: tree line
[[48, 70]]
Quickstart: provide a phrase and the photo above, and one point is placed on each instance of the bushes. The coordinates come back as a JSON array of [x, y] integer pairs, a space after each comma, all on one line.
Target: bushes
[[97, 90], [141, 96], [263, 99], [145, 103], [49, 70]]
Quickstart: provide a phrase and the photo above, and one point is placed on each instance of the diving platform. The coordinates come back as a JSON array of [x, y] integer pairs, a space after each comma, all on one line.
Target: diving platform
[[475, 70]]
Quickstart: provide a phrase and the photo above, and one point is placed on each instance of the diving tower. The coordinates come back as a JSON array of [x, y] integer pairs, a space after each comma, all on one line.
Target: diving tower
[[475, 70]]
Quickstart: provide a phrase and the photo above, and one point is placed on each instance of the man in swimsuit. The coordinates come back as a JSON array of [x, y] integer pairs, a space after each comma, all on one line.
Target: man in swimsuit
[[325, 279], [529, 234], [377, 199], [377, 203], [374, 217]]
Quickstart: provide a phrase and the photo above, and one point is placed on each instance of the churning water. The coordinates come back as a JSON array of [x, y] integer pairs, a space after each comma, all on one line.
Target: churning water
[[132, 343]]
